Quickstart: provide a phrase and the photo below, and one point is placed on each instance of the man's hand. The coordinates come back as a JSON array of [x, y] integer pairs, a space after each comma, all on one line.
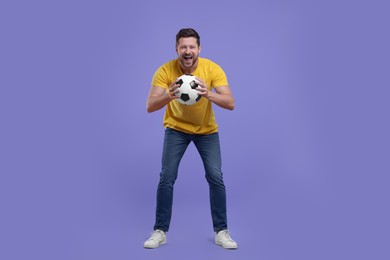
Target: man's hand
[[222, 96], [158, 96], [173, 89], [202, 88]]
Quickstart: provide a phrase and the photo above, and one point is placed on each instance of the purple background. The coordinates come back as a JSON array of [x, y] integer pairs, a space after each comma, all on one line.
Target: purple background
[[305, 152]]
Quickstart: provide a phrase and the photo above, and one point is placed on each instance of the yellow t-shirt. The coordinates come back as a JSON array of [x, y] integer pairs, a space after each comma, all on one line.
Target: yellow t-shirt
[[198, 118]]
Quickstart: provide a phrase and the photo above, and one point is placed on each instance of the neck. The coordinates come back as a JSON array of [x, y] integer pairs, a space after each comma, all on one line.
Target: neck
[[190, 70]]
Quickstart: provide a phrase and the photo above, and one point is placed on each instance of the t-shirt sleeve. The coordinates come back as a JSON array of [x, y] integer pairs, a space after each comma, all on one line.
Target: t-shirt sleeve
[[160, 78], [219, 77]]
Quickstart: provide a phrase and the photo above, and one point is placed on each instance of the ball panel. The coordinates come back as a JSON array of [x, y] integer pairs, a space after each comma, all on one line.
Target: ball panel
[[193, 84], [180, 82], [185, 97]]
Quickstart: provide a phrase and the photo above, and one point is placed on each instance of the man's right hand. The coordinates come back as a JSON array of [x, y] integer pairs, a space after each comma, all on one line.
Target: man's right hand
[[173, 89]]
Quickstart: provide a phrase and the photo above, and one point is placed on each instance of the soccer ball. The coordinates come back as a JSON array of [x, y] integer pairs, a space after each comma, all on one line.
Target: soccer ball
[[188, 95]]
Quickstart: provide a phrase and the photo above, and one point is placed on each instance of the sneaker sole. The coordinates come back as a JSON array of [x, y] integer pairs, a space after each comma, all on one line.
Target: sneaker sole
[[236, 247], [157, 246]]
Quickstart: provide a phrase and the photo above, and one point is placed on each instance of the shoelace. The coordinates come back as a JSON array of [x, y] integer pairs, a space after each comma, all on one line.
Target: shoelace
[[226, 235], [155, 233]]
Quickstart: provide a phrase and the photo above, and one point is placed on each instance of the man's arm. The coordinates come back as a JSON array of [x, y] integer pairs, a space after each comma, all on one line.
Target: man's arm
[[222, 96], [158, 98]]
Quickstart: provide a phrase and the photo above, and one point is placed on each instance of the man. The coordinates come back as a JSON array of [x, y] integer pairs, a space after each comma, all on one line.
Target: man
[[184, 124]]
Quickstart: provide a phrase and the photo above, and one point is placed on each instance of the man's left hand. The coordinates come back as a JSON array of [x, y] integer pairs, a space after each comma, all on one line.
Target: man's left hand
[[202, 89]]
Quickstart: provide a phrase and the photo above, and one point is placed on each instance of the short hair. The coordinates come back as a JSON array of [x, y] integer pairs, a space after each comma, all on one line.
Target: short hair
[[187, 32]]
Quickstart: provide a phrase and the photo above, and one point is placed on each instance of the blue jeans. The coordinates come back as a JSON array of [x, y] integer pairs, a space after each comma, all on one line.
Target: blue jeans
[[175, 144]]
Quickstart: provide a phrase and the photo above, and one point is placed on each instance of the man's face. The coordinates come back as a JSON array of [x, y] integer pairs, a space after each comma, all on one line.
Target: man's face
[[188, 52]]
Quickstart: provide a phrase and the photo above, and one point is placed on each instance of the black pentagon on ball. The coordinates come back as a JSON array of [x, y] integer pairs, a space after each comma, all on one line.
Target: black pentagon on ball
[[197, 99], [180, 82], [185, 97], [193, 84]]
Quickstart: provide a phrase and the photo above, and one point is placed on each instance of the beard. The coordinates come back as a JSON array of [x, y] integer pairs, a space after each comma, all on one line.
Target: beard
[[188, 61]]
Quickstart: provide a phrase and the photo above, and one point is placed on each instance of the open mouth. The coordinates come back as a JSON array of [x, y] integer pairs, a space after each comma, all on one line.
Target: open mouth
[[188, 58]]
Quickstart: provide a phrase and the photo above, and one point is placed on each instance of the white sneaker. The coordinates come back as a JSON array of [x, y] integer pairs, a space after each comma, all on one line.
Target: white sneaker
[[223, 239], [156, 239]]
